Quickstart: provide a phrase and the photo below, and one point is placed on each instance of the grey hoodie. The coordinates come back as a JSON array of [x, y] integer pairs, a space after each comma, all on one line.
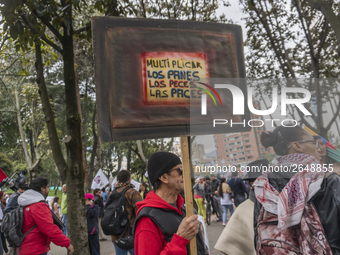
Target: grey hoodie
[[30, 197], [198, 189]]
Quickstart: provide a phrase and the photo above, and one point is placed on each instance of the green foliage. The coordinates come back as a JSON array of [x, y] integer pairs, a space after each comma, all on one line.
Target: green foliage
[[6, 164], [18, 166]]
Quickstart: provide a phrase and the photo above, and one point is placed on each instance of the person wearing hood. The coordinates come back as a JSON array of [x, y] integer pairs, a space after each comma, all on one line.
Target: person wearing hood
[[161, 226], [92, 214], [238, 235], [13, 200], [37, 214]]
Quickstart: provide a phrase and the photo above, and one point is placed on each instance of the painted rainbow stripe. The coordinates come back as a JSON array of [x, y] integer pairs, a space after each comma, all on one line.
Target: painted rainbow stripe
[[212, 89]]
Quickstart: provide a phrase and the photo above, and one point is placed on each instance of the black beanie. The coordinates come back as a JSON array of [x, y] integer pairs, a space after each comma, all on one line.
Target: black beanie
[[160, 163]]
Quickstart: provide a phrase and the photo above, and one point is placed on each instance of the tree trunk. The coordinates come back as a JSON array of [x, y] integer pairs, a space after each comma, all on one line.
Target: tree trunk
[[49, 116], [128, 157], [87, 184], [34, 132], [75, 176], [22, 136], [94, 147], [162, 144], [119, 158], [99, 150]]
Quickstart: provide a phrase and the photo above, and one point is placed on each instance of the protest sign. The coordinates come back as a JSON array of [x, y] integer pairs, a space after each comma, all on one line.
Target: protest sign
[[151, 75]]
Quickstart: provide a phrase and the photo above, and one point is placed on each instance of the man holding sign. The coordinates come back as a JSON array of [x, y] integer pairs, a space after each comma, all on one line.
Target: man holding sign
[[161, 225]]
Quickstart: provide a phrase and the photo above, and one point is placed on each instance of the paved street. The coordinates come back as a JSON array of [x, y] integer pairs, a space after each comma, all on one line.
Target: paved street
[[106, 247]]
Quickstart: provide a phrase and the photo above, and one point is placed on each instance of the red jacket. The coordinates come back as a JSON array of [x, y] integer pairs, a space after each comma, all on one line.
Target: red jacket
[[148, 236], [38, 213]]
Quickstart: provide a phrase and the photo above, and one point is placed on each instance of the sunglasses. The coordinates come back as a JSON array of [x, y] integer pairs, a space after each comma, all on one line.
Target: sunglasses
[[315, 142], [178, 169]]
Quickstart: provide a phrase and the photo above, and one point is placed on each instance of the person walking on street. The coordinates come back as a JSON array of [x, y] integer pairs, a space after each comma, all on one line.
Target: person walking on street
[[224, 191], [132, 196], [55, 207], [37, 213], [143, 190], [237, 186], [207, 188], [92, 215], [199, 197], [64, 208], [161, 226], [104, 195], [98, 200], [215, 183]]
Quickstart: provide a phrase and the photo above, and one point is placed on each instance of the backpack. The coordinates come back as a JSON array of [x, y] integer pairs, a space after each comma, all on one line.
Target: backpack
[[115, 217], [12, 224], [308, 237]]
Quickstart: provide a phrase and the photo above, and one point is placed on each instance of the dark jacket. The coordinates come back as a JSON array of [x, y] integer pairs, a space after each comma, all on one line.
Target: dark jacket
[[145, 193], [12, 202], [92, 214], [326, 202], [208, 191], [156, 226], [237, 185], [214, 184], [98, 200]]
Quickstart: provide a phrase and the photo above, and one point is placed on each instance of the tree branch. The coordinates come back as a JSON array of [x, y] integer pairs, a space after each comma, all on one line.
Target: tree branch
[[50, 26], [78, 31], [334, 118], [36, 31], [16, 110], [309, 41], [328, 12], [9, 66], [323, 38], [273, 41], [136, 151], [37, 162]]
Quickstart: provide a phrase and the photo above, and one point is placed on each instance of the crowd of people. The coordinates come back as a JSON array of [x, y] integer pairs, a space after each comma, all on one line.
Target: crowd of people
[[297, 210], [224, 194]]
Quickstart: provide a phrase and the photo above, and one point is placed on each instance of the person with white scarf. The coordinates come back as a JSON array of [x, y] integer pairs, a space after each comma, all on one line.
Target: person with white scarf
[[298, 191]]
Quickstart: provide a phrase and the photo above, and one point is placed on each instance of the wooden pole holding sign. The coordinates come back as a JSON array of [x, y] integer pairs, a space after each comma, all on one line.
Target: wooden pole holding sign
[[187, 187]]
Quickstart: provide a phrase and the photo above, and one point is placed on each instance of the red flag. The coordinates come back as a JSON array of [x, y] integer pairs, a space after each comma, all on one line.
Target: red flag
[[2, 175]]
